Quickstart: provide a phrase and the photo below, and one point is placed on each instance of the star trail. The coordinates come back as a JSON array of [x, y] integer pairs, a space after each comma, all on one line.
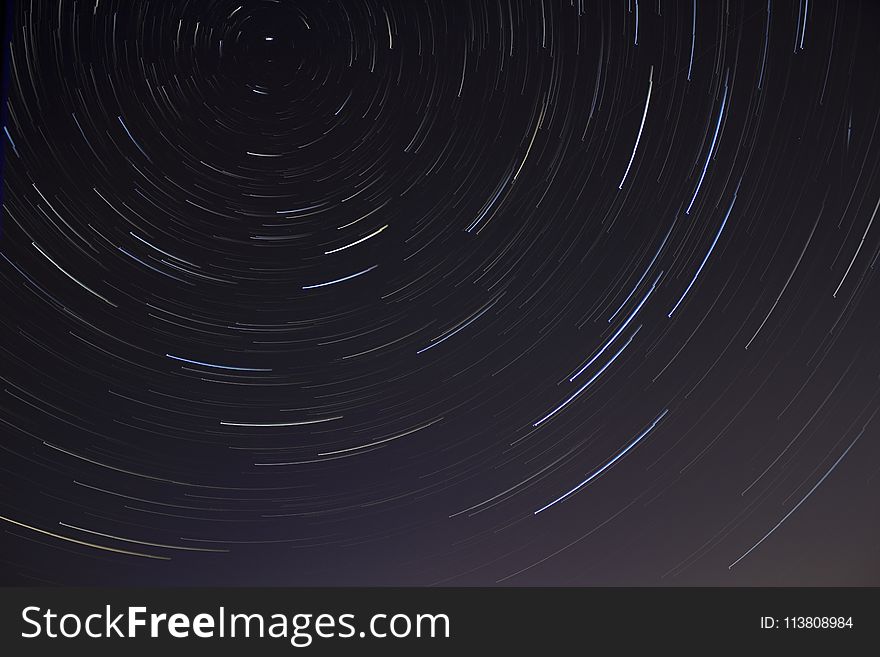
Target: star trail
[[376, 292]]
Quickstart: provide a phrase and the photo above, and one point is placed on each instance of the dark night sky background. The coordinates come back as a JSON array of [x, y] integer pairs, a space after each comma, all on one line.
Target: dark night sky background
[[331, 292]]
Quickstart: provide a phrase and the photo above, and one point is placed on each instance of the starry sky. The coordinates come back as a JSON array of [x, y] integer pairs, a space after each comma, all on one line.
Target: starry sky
[[490, 292]]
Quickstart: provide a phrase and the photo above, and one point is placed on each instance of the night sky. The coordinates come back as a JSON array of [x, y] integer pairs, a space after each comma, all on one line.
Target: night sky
[[404, 292]]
